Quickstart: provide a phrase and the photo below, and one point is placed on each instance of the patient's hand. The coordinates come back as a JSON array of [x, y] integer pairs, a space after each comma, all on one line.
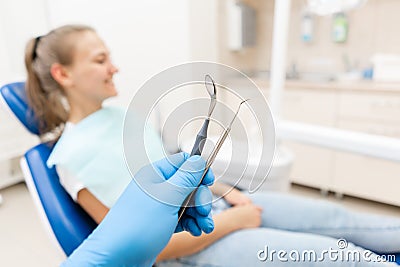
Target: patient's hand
[[237, 198], [244, 216]]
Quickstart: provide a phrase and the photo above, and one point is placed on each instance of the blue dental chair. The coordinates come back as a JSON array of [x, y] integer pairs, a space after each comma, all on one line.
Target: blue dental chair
[[67, 223]]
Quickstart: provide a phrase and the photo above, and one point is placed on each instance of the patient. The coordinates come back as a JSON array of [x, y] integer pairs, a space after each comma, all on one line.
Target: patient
[[70, 74]]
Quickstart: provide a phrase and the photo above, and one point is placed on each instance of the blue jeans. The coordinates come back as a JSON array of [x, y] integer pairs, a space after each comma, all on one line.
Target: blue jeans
[[297, 231]]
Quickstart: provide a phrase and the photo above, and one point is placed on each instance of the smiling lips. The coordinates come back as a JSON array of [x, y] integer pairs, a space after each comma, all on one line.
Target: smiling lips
[[109, 81]]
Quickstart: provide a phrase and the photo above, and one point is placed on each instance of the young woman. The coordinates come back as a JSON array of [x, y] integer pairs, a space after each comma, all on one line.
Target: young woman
[[70, 74]]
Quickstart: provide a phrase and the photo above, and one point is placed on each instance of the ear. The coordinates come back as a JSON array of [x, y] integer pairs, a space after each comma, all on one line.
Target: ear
[[60, 74]]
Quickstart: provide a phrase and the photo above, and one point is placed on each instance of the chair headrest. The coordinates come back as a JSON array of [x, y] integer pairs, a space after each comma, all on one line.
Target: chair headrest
[[15, 98]]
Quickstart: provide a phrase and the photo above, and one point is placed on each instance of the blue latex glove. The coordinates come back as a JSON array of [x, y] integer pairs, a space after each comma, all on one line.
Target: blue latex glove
[[141, 223]]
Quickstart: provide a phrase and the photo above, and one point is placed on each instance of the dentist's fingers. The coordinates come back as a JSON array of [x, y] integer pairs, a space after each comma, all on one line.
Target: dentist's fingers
[[201, 212], [205, 223], [209, 178], [191, 226], [154, 179], [188, 176], [169, 165], [203, 199]]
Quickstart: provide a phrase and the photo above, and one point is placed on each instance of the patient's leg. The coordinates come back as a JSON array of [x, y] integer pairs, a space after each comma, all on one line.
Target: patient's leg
[[272, 247], [283, 211]]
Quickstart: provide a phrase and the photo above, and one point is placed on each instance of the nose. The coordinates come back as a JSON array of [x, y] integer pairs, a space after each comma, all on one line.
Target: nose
[[113, 68]]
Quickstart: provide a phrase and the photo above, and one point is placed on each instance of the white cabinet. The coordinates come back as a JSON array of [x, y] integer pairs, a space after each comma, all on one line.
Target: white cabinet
[[312, 165], [383, 108], [367, 111], [310, 106], [14, 142], [367, 177]]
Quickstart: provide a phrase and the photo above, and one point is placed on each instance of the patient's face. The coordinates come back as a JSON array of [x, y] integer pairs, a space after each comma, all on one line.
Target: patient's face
[[92, 70]]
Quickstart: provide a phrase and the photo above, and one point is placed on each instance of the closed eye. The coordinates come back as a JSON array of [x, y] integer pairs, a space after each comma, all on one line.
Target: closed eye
[[101, 59]]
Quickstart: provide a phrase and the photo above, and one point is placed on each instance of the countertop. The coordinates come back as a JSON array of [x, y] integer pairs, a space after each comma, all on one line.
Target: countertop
[[362, 85]]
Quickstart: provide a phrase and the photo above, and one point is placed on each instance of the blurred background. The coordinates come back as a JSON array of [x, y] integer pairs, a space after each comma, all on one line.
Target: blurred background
[[341, 70]]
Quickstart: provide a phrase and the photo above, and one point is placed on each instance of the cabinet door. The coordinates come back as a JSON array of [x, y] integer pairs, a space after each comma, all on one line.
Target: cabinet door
[[312, 165], [368, 107], [14, 138], [14, 142], [310, 106], [368, 177]]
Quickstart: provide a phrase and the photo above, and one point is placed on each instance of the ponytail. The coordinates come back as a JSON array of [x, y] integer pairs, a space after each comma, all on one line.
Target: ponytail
[[45, 95]]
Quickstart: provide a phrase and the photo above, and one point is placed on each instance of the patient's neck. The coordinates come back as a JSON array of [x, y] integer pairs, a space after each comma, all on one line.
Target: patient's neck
[[80, 111]]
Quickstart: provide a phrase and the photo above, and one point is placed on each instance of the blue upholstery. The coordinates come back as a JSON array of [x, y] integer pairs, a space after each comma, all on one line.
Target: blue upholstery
[[15, 97], [69, 222]]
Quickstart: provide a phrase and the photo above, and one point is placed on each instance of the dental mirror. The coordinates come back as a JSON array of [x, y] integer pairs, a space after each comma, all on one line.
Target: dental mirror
[[202, 134], [212, 91]]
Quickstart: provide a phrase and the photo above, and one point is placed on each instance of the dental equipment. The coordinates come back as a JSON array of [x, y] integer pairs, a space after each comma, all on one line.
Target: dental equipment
[[209, 162], [202, 135]]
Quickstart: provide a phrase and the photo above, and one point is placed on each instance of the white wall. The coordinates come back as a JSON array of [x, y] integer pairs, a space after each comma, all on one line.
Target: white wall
[[204, 30], [20, 20], [4, 62], [144, 37]]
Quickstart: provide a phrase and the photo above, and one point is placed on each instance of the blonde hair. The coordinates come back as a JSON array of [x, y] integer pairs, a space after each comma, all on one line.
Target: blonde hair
[[45, 94]]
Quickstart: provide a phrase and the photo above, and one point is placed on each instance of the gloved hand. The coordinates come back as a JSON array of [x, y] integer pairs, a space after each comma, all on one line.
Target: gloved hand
[[142, 221]]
